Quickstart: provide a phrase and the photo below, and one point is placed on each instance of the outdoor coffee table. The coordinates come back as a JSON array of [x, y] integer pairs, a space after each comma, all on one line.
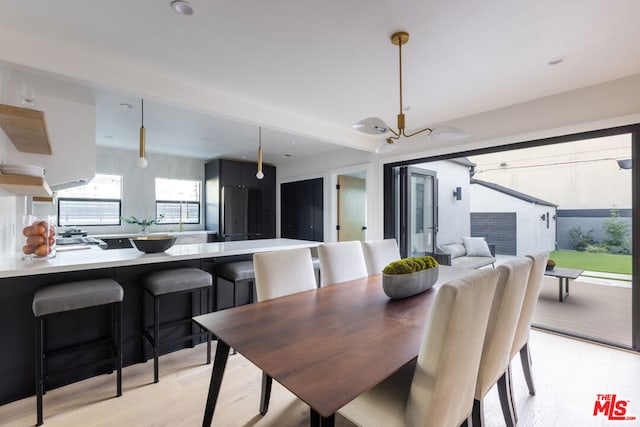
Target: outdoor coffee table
[[563, 274]]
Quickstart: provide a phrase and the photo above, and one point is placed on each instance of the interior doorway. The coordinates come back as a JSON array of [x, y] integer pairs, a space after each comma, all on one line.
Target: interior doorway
[[352, 207]]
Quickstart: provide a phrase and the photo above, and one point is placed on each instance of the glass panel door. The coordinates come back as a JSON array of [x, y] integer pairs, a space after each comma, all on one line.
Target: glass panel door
[[418, 207]]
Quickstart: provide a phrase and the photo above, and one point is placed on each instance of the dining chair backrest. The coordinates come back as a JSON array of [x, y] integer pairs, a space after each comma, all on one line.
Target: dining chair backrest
[[444, 379], [341, 261], [534, 284], [505, 311], [283, 272], [379, 253]]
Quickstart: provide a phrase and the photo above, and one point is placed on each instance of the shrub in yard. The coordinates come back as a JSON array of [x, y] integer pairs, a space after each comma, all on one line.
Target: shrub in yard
[[579, 239], [624, 249], [617, 241]]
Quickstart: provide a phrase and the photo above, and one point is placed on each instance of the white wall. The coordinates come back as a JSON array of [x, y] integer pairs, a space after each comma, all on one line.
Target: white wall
[[579, 175], [138, 186], [532, 233]]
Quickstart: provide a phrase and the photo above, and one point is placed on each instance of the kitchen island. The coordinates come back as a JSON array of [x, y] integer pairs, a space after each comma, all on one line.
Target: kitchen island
[[20, 279]]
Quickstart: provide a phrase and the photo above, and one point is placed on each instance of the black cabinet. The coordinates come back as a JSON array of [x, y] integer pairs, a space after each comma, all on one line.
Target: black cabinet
[[239, 206], [302, 215]]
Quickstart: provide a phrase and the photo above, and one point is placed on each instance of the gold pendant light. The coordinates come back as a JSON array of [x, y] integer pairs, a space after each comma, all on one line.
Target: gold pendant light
[[259, 174], [142, 161], [376, 126]]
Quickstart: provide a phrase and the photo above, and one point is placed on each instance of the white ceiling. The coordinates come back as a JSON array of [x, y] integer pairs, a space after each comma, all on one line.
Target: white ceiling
[[306, 71]]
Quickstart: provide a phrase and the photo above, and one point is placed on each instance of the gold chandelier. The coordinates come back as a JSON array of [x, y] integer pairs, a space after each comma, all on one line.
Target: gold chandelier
[[377, 126]]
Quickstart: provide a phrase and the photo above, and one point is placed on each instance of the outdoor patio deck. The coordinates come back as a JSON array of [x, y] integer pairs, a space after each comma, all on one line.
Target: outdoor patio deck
[[595, 308], [591, 310]]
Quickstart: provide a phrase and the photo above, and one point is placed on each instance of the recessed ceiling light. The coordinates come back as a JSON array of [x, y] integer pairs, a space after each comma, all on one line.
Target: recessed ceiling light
[[287, 155], [204, 140], [182, 7], [556, 60], [293, 141], [108, 136], [126, 106]]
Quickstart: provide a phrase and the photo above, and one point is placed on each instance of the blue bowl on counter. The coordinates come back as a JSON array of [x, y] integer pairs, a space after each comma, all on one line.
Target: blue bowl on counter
[[153, 243]]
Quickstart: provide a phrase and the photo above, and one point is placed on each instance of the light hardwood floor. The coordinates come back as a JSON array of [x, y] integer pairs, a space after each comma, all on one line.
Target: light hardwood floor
[[568, 374]]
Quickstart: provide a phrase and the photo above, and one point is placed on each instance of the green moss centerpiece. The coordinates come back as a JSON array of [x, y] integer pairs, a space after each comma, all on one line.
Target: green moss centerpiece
[[409, 276]]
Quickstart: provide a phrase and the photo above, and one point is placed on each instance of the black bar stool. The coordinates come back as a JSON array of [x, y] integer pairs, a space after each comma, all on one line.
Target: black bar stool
[[71, 296], [172, 282], [241, 275]]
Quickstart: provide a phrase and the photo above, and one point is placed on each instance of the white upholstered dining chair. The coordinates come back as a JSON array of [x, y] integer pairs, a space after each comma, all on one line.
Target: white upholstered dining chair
[[379, 253], [277, 274], [341, 261], [437, 388], [521, 337], [496, 352]]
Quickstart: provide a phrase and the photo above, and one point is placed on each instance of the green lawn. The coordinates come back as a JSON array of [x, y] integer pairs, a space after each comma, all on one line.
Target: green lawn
[[607, 263]]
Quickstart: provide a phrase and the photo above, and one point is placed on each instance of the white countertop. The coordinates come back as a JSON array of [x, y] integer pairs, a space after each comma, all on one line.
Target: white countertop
[[94, 257]]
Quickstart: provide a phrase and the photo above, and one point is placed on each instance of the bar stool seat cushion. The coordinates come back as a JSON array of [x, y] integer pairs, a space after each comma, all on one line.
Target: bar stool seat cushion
[[236, 270], [76, 295], [176, 280]]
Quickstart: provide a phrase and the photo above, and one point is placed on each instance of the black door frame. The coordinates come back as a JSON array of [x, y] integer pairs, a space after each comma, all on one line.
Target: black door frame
[[634, 130]]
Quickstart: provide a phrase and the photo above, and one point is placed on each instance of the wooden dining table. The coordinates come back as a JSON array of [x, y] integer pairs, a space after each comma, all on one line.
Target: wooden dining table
[[326, 346]]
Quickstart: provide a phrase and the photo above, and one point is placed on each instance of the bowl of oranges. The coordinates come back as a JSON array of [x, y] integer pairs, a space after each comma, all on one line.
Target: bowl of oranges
[[39, 237]]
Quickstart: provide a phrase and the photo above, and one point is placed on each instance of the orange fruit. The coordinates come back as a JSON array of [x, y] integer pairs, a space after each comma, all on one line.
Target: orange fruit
[[42, 250], [36, 240]]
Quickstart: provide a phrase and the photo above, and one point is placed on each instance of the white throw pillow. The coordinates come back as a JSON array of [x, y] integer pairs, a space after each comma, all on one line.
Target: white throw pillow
[[476, 246], [454, 249]]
